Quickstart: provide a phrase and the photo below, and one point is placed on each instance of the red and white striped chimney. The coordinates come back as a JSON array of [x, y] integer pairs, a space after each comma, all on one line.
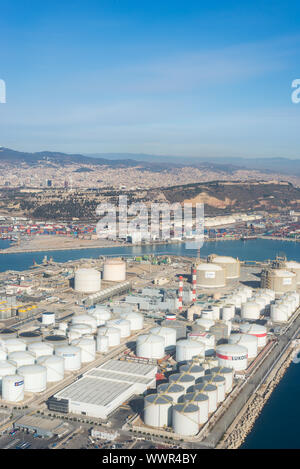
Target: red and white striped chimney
[[194, 280], [180, 293]]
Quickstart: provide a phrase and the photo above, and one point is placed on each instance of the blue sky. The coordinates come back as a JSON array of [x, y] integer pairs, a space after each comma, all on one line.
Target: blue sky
[[165, 77]]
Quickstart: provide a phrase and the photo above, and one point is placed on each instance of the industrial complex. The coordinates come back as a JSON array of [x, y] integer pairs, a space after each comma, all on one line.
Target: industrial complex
[[156, 346]]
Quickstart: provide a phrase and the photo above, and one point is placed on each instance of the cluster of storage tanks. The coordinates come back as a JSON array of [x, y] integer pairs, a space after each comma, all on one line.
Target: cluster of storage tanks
[[189, 398], [88, 280], [28, 362]]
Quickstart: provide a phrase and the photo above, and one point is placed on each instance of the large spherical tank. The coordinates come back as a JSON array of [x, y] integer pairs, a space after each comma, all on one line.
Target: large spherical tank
[[102, 343], [21, 358], [86, 319], [232, 356], [279, 280], [227, 373], [40, 348], [185, 419], [71, 355], [229, 264], [112, 333], [122, 324], [187, 349], [48, 319], [202, 402], [114, 270], [228, 312], [14, 345], [150, 346], [211, 391], [6, 368], [193, 369], [35, 377], [88, 349], [158, 410], [56, 340], [206, 323], [79, 329], [294, 266], [210, 276], [183, 379], [136, 320], [247, 340], [87, 280], [175, 390], [250, 310], [167, 333], [257, 330], [54, 365], [219, 382], [13, 388]]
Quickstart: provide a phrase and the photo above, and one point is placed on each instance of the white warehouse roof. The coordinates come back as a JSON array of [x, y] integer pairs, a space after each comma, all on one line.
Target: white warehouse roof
[[101, 390]]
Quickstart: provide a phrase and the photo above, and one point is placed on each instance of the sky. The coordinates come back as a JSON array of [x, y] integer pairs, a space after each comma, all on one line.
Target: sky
[[184, 78]]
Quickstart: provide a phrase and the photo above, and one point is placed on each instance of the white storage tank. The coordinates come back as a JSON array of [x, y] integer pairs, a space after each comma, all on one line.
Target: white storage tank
[[216, 309], [40, 348], [187, 349], [294, 266], [6, 368], [150, 346], [257, 330], [176, 391], [55, 367], [114, 270], [21, 358], [228, 312], [202, 402], [14, 345], [219, 382], [63, 326], [102, 343], [167, 333], [88, 349], [229, 264], [183, 379], [210, 390], [80, 329], [35, 377], [101, 315], [122, 324], [113, 334], [193, 369], [136, 320], [3, 354], [227, 373], [205, 323], [71, 355], [207, 339], [210, 276], [87, 280], [250, 310], [185, 419], [247, 340], [86, 319], [48, 319], [158, 410], [13, 388], [232, 356], [207, 314]]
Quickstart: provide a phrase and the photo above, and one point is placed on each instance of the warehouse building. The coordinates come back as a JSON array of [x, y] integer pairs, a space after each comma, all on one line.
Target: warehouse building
[[102, 390], [45, 428]]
